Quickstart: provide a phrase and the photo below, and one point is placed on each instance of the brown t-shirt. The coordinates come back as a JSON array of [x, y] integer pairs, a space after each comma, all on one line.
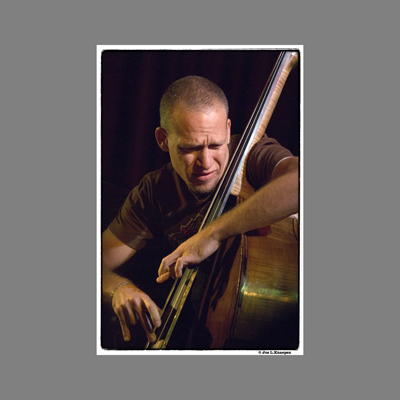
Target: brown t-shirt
[[163, 205]]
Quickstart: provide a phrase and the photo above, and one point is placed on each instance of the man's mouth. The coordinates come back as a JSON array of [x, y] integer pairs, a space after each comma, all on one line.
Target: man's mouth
[[204, 177]]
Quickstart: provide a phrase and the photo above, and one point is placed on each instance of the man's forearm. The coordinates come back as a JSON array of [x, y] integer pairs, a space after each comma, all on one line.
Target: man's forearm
[[114, 254], [110, 282], [273, 202]]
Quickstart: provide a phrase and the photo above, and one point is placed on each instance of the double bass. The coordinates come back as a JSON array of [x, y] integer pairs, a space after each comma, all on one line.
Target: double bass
[[250, 291]]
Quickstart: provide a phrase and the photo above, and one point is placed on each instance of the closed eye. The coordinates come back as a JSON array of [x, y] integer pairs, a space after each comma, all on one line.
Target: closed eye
[[188, 149], [198, 148]]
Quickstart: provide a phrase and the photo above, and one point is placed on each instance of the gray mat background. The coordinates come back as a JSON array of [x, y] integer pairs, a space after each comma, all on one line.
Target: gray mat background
[[48, 200]]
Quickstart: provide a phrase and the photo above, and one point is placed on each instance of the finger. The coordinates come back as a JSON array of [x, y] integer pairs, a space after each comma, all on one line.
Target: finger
[[147, 324], [179, 267], [183, 262], [136, 318], [124, 327], [169, 273], [133, 316], [155, 314], [172, 271], [166, 263], [162, 278], [163, 267]]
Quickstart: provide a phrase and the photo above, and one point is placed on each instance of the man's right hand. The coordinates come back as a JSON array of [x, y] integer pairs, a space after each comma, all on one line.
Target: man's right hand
[[133, 306]]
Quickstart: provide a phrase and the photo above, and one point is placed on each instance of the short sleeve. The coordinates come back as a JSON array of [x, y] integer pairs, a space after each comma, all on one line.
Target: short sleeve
[[262, 159], [133, 225]]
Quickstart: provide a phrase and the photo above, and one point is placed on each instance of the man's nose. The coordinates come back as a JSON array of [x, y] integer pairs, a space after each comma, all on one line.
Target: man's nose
[[204, 158]]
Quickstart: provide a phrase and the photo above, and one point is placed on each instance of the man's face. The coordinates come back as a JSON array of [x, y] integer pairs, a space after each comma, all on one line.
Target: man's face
[[198, 146]]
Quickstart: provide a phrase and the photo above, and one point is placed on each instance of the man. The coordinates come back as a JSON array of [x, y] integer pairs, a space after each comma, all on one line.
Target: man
[[196, 132]]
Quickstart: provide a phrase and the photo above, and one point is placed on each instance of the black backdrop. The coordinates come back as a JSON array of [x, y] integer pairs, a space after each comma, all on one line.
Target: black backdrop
[[133, 81]]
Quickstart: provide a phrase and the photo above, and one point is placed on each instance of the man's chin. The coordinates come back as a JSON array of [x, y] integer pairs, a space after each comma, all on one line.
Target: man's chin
[[202, 191]]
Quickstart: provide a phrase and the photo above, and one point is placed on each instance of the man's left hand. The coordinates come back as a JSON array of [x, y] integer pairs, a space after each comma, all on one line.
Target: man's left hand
[[190, 253]]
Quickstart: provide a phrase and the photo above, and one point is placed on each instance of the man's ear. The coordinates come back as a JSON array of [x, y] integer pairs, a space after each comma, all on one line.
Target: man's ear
[[228, 128], [162, 139]]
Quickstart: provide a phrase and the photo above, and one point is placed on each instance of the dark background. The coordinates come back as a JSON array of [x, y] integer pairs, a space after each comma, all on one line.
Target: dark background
[[132, 83]]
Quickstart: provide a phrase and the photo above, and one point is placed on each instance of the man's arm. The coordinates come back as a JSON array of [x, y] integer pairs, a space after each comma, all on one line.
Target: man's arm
[[273, 202], [129, 303]]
